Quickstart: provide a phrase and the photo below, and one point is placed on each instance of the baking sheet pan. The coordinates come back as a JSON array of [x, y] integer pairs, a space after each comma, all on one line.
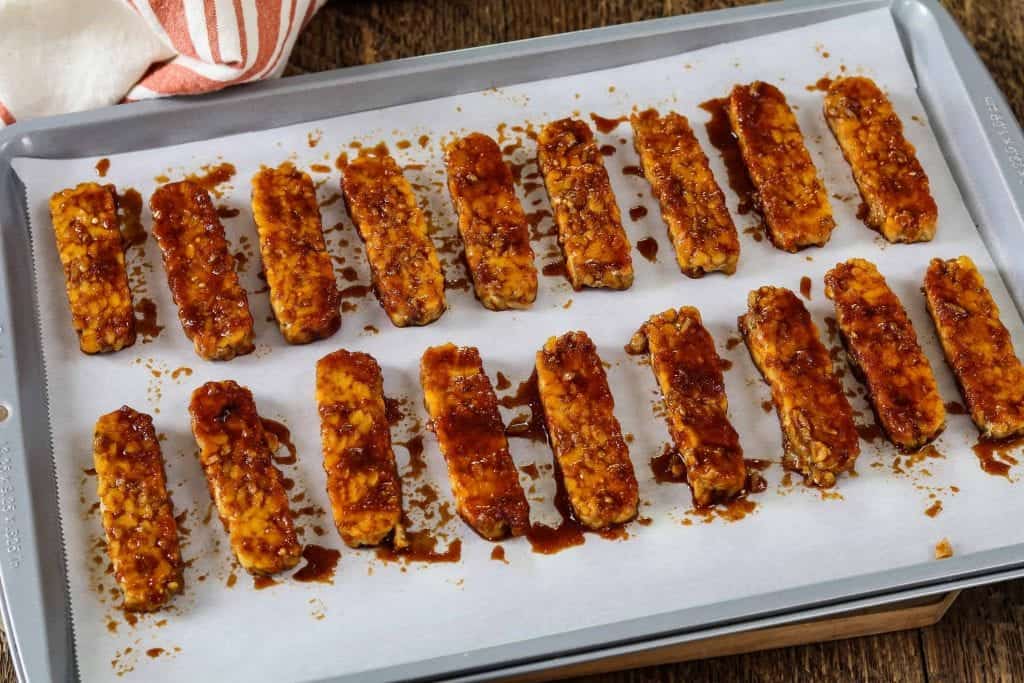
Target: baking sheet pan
[[571, 641]]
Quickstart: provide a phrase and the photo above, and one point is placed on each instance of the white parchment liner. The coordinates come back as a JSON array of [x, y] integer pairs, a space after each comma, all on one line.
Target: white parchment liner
[[377, 614]]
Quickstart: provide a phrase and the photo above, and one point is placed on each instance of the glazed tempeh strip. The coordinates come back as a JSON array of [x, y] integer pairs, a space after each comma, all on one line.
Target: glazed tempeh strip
[[790, 194], [212, 306], [885, 166], [882, 346], [246, 486], [977, 346], [492, 224], [138, 517], [464, 416], [692, 203], [591, 455], [406, 273], [91, 253], [595, 246], [303, 293], [689, 373], [362, 478], [818, 434]]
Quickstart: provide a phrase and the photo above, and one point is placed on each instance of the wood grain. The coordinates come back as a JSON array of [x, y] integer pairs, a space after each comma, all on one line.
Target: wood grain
[[982, 636]]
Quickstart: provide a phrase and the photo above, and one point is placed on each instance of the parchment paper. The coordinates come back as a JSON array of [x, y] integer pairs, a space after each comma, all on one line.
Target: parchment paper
[[376, 613]]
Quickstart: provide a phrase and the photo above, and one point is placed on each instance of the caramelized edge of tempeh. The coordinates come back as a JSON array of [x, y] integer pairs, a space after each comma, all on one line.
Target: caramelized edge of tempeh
[[829, 443], [212, 305], [885, 166], [688, 370], [464, 416], [692, 204], [790, 193], [986, 367], [406, 272], [94, 268], [595, 246], [237, 461], [138, 516], [591, 456], [362, 476], [492, 223], [884, 353], [303, 293]]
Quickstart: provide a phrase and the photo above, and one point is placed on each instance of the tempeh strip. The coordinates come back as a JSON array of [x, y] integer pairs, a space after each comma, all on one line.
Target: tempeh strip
[[790, 194], [246, 486], [882, 347], [595, 246], [492, 223], [977, 345], [818, 434], [138, 517], [464, 416], [362, 478], [591, 456], [91, 253], [406, 272], [212, 306], [303, 293], [885, 166], [692, 203], [689, 373]]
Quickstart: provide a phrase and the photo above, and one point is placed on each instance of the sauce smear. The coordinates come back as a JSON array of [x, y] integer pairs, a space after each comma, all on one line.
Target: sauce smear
[[720, 134], [320, 564], [648, 248]]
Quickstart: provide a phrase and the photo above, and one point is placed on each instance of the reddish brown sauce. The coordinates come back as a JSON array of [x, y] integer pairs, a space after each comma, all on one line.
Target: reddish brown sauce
[[862, 211], [403, 144], [720, 134], [767, 406], [555, 269], [531, 471], [606, 125], [498, 554], [423, 140], [129, 205], [805, 287], [934, 509], [502, 382], [994, 455], [668, 468], [869, 432], [212, 177], [279, 435], [548, 540], [225, 211], [261, 582], [320, 564], [102, 166], [525, 426], [637, 212], [608, 150], [320, 168], [355, 292], [371, 329], [341, 163], [349, 274], [732, 342], [232, 580], [154, 652], [393, 410], [145, 319], [648, 248], [422, 547], [417, 464], [633, 170], [955, 408], [313, 139], [822, 84]]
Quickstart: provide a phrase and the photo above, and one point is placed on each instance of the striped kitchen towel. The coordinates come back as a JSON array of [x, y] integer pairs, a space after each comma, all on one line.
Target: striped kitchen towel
[[61, 56]]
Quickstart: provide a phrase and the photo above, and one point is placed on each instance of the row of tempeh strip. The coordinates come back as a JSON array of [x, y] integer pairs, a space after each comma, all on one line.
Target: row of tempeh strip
[[591, 457], [406, 273]]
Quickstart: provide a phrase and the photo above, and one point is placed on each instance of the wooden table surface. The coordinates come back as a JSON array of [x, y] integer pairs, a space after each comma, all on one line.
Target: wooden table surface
[[982, 635]]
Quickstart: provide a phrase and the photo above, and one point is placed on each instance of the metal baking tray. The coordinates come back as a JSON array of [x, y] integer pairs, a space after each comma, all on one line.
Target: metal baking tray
[[979, 136]]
